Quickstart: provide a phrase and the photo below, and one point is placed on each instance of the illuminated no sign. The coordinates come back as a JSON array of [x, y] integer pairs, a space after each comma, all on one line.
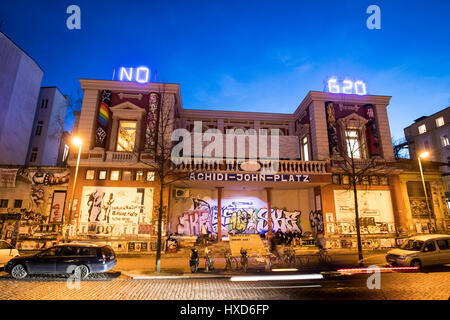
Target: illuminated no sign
[[141, 74], [347, 87]]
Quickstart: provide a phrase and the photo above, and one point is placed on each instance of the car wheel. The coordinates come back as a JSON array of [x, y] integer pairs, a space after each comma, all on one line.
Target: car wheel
[[416, 263], [81, 271], [19, 272]]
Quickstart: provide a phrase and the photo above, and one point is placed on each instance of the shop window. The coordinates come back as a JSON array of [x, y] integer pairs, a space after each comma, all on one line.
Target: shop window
[[17, 204], [417, 199], [365, 180], [440, 122], [139, 176], [422, 129], [305, 149], [3, 203], [336, 179], [445, 142], [127, 136], [115, 175], [90, 174], [150, 176], [102, 175], [353, 145], [126, 176]]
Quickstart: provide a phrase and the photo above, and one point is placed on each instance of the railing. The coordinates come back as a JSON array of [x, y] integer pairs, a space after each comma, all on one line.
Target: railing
[[120, 156], [239, 166]]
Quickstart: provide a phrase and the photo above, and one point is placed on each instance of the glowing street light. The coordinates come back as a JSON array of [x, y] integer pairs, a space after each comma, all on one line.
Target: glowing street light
[[76, 141], [425, 155]]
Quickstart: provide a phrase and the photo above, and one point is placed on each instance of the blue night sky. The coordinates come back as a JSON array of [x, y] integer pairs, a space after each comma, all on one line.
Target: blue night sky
[[246, 55]]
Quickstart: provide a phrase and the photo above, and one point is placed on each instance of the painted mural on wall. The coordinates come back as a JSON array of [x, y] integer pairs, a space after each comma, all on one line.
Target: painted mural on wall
[[152, 121], [375, 212], [316, 221], [237, 217], [331, 127], [372, 132], [115, 211], [103, 119], [36, 189]]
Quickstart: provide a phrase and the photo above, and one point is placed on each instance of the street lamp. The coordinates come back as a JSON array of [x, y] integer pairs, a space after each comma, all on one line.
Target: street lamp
[[425, 155], [78, 143]]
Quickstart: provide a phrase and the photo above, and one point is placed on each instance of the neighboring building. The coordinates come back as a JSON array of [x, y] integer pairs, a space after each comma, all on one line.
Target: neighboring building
[[116, 195], [432, 134], [48, 129], [20, 80], [32, 201]]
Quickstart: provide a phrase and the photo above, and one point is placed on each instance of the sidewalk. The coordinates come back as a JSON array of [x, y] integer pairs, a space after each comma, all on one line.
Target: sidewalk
[[177, 265]]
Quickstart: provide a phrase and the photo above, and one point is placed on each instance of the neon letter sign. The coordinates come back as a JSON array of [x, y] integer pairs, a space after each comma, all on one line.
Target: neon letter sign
[[347, 87], [141, 74]]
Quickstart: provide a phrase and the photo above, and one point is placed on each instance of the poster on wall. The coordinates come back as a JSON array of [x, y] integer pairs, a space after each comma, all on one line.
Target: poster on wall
[[375, 211], [57, 208], [116, 211]]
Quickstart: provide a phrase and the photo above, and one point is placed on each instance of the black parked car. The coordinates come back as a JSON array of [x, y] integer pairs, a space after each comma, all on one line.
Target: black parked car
[[76, 258]]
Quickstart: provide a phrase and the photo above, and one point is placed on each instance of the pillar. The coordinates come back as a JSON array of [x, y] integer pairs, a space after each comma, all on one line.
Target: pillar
[[400, 211], [219, 214], [269, 210]]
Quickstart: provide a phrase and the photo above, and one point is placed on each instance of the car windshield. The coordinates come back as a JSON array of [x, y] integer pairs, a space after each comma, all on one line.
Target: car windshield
[[414, 245]]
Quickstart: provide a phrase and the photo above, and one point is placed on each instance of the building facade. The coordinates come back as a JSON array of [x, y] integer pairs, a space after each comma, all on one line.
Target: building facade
[[117, 193], [432, 134], [45, 142], [20, 80]]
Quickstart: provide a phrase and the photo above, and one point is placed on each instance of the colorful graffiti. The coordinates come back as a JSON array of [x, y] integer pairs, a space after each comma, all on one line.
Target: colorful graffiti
[[331, 128], [238, 217], [316, 220], [152, 121]]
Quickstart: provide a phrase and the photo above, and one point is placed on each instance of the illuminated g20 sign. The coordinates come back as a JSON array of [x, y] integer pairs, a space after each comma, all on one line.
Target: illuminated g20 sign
[[141, 74], [346, 86]]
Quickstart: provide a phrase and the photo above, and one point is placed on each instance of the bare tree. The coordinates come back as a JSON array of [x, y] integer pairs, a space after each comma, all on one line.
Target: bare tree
[[400, 146], [160, 149], [356, 162], [75, 100]]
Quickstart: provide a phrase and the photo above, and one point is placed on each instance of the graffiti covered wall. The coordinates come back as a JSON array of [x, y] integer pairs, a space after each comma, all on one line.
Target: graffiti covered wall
[[115, 211], [36, 201], [242, 213]]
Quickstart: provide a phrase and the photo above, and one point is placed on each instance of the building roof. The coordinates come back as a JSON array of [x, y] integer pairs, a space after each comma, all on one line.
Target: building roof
[[20, 48]]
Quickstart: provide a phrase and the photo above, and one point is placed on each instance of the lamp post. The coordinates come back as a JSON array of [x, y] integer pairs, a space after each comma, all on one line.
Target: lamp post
[[425, 155], [76, 142]]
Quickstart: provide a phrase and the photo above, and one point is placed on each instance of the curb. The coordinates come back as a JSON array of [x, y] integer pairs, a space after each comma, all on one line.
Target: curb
[[172, 277]]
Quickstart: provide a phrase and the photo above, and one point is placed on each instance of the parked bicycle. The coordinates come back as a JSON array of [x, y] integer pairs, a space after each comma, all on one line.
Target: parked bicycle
[[209, 263], [194, 260], [230, 261], [324, 256]]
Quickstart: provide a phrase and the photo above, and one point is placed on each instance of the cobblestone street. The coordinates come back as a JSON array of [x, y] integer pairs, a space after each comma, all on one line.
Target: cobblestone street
[[421, 286]]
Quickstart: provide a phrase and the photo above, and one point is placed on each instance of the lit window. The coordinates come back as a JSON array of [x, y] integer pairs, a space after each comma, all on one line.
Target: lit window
[[102, 175], [127, 136], [422, 129], [305, 150], [115, 175], [90, 174], [139, 176], [150, 176], [445, 141], [440, 122], [352, 139], [126, 176]]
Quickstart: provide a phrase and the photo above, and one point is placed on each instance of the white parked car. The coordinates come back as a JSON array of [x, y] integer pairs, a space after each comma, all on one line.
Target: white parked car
[[419, 251], [7, 252]]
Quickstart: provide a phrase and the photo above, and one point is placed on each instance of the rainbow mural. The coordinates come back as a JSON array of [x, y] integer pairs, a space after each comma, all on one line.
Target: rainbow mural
[[103, 119]]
